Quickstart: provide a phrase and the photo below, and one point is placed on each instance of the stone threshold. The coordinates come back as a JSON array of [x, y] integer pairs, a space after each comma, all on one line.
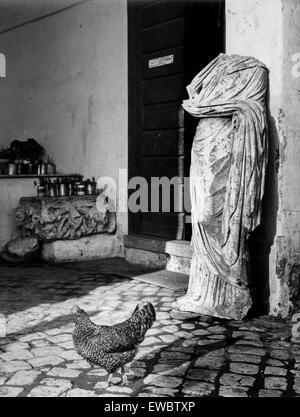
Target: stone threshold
[[155, 252]]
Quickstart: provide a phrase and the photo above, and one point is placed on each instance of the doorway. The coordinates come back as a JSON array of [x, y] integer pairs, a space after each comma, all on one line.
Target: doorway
[[169, 42]]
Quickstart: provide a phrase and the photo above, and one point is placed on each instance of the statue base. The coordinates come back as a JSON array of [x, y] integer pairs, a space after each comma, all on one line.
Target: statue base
[[210, 295]]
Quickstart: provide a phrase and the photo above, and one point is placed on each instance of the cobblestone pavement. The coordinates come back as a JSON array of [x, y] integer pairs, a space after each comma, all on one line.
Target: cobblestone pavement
[[182, 355]]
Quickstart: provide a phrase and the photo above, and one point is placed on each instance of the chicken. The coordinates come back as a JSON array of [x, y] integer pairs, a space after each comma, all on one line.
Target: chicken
[[111, 347]]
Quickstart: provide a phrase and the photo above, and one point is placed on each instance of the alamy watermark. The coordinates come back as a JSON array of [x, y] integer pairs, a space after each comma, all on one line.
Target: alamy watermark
[[154, 195], [296, 326], [296, 67]]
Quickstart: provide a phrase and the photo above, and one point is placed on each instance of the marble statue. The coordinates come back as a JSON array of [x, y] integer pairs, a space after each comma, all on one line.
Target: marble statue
[[229, 156]]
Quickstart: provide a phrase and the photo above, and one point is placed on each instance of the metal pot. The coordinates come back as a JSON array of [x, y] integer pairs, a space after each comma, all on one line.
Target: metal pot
[[62, 189], [42, 169], [12, 168], [80, 189], [41, 191]]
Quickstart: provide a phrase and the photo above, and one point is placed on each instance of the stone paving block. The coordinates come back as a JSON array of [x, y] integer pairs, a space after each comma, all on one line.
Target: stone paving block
[[280, 344], [13, 366], [32, 336], [45, 360], [197, 389], [10, 391], [23, 378], [54, 332], [189, 343], [170, 329], [226, 391], [273, 370], [204, 342], [199, 374], [280, 354], [217, 329], [184, 335], [161, 391], [47, 350], [135, 374], [46, 391], [60, 338], [200, 332], [210, 360], [150, 341], [173, 357], [81, 364], [153, 331], [246, 335], [98, 372], [217, 337], [275, 383], [171, 370], [119, 390], [79, 392], [67, 345], [22, 354], [245, 358], [255, 343], [64, 373], [63, 384], [269, 393], [136, 364], [230, 379], [296, 386], [169, 338], [40, 343], [244, 368], [275, 362], [188, 326], [247, 350], [70, 355], [162, 381], [101, 385], [16, 346], [183, 348]]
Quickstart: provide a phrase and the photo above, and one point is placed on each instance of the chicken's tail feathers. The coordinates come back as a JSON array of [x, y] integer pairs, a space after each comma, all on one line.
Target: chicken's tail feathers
[[136, 309], [148, 313]]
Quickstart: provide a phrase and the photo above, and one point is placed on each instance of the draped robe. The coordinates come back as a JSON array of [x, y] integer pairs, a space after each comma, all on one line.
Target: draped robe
[[228, 162]]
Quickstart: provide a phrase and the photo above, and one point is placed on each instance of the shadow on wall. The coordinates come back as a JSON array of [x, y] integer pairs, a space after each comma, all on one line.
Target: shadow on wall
[[262, 239]]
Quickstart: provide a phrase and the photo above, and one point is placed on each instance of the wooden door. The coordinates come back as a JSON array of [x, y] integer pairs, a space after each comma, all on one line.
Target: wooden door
[[169, 43]]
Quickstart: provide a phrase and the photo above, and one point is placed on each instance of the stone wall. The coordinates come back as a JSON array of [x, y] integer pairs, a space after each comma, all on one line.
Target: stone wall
[[270, 31]]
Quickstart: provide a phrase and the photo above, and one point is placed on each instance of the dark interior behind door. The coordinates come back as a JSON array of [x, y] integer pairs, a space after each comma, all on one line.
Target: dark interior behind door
[[169, 43]]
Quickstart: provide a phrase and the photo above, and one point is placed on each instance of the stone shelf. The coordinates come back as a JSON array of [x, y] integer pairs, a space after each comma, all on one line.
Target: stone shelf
[[40, 176]]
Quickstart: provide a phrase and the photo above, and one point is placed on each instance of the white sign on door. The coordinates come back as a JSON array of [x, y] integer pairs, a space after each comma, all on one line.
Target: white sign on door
[[163, 60]]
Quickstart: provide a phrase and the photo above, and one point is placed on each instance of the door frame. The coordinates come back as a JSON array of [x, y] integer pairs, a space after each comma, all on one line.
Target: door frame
[[134, 96]]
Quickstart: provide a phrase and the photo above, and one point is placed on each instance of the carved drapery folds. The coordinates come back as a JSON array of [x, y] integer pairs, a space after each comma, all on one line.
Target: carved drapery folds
[[229, 157], [64, 218]]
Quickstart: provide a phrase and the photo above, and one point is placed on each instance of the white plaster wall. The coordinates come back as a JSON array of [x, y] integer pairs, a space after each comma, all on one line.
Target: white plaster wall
[[66, 86], [10, 193], [269, 30]]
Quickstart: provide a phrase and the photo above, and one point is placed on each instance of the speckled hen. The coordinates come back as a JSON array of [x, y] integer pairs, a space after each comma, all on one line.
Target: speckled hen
[[111, 347]]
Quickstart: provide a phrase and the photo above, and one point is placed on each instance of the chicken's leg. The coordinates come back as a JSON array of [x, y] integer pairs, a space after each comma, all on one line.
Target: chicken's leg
[[109, 379], [124, 376]]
